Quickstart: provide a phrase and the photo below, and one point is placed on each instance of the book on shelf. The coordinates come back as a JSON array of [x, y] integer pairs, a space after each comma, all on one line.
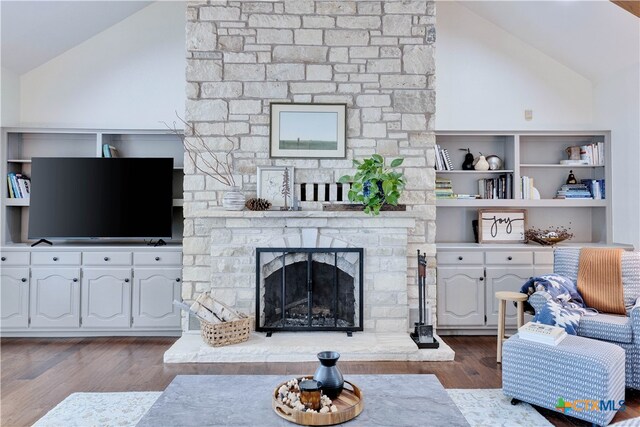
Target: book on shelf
[[592, 154], [443, 159], [574, 191], [545, 334], [447, 159], [496, 188], [444, 189], [109, 151], [19, 185], [595, 188]]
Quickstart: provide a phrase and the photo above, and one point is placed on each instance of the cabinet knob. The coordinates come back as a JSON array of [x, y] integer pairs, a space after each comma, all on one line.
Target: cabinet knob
[[460, 258], [75, 279], [24, 279], [4, 258], [482, 279], [126, 280], [178, 279], [106, 258], [157, 258], [509, 258], [55, 258]]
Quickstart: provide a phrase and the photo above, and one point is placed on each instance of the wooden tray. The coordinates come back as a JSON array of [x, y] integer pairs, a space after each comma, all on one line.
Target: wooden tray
[[359, 207], [350, 404]]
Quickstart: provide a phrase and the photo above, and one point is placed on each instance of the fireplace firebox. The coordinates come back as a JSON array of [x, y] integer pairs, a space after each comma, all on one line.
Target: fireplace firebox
[[309, 289]]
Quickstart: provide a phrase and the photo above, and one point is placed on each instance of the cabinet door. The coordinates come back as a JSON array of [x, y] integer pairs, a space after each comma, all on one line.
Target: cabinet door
[[106, 298], [55, 297], [460, 296], [14, 297], [154, 290], [504, 279]]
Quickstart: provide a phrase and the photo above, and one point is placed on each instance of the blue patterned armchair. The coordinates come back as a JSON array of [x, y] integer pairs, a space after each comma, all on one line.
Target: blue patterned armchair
[[621, 330]]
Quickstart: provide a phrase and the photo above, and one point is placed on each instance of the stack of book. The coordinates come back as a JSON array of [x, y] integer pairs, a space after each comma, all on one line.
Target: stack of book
[[595, 187], [444, 189], [443, 160], [573, 191], [19, 186], [592, 154], [541, 333], [496, 188]]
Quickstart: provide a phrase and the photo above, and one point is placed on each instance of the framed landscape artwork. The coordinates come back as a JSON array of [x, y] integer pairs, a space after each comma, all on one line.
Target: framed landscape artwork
[[275, 183], [501, 225], [308, 130]]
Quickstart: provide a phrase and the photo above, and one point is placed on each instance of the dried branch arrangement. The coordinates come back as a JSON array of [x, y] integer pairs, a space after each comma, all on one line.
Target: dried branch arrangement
[[215, 165]]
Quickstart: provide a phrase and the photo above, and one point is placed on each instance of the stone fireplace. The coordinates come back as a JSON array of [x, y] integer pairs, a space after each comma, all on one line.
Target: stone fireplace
[[309, 289], [375, 56]]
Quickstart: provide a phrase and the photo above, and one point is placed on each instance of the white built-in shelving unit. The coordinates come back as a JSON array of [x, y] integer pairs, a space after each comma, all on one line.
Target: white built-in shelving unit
[[20, 145]]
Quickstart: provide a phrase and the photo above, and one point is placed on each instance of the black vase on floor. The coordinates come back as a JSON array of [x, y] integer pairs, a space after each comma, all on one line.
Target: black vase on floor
[[329, 374]]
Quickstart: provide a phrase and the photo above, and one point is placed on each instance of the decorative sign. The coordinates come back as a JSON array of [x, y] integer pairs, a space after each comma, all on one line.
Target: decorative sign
[[502, 225]]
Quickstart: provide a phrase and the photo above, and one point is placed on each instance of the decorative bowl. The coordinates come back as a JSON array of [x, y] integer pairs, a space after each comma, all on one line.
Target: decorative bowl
[[547, 237]]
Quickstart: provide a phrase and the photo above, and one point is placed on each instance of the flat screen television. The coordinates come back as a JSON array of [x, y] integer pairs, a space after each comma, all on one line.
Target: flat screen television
[[93, 198]]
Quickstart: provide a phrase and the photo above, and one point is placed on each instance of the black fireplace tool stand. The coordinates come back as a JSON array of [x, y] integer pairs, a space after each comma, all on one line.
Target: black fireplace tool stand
[[423, 332]]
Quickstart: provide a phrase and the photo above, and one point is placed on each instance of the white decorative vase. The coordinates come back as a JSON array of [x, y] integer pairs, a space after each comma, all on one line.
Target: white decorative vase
[[233, 200]]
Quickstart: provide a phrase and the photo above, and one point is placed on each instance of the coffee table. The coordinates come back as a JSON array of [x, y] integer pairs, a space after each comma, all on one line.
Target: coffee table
[[245, 400]]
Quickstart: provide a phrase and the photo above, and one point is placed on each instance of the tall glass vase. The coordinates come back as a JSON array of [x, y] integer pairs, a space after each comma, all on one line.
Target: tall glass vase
[[233, 200]]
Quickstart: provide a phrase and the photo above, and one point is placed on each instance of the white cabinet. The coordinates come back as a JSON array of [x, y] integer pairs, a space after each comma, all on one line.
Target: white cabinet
[[468, 277], [106, 298], [55, 297], [14, 296], [154, 290], [68, 290], [504, 279], [460, 296]]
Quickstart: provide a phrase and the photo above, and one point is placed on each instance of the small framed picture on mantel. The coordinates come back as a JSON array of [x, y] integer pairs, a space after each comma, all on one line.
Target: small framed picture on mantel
[[501, 225], [308, 130]]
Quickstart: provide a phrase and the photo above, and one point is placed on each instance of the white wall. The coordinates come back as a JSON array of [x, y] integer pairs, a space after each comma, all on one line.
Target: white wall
[[129, 76], [617, 107], [10, 98], [486, 78]]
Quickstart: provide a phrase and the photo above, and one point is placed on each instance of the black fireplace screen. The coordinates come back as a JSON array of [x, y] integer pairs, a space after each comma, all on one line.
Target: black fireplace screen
[[309, 289]]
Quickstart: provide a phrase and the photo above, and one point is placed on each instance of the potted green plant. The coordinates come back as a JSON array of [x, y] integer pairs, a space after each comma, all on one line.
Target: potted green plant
[[373, 185]]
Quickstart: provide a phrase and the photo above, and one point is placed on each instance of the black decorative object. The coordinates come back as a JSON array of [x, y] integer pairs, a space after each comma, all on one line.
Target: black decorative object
[[474, 225], [571, 179], [423, 334], [328, 374], [467, 165]]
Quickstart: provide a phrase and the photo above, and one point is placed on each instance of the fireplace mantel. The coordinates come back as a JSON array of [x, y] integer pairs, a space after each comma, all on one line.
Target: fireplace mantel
[[393, 218]]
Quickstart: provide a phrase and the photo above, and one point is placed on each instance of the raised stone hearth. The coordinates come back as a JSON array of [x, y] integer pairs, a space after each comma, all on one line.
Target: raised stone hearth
[[303, 347]]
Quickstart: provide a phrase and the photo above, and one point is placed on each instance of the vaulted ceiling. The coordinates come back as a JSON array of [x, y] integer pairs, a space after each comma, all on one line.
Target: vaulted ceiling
[[33, 32], [594, 38]]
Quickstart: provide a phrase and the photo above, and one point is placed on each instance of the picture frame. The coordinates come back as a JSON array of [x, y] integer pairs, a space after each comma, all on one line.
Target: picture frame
[[502, 225], [308, 130], [270, 180]]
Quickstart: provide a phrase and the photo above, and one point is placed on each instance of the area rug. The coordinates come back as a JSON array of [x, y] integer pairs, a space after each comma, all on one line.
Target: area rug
[[481, 407]]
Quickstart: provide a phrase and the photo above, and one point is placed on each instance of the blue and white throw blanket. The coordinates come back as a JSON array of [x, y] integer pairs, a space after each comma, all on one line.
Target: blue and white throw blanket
[[565, 308]]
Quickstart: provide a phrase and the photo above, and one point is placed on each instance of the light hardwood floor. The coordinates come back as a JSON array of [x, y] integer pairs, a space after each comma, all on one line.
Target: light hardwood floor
[[36, 374]]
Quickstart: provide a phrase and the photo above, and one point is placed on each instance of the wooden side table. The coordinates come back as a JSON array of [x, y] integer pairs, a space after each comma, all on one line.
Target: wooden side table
[[503, 297]]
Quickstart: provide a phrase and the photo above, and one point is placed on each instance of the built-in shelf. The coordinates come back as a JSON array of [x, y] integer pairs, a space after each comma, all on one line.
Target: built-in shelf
[[17, 202], [25, 202], [19, 161], [502, 171], [539, 165], [518, 203]]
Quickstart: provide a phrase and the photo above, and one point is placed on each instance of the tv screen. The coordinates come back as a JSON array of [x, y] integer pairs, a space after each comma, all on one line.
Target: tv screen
[[82, 198]]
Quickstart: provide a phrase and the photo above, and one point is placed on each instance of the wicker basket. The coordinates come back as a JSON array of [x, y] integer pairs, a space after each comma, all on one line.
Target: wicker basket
[[226, 333]]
